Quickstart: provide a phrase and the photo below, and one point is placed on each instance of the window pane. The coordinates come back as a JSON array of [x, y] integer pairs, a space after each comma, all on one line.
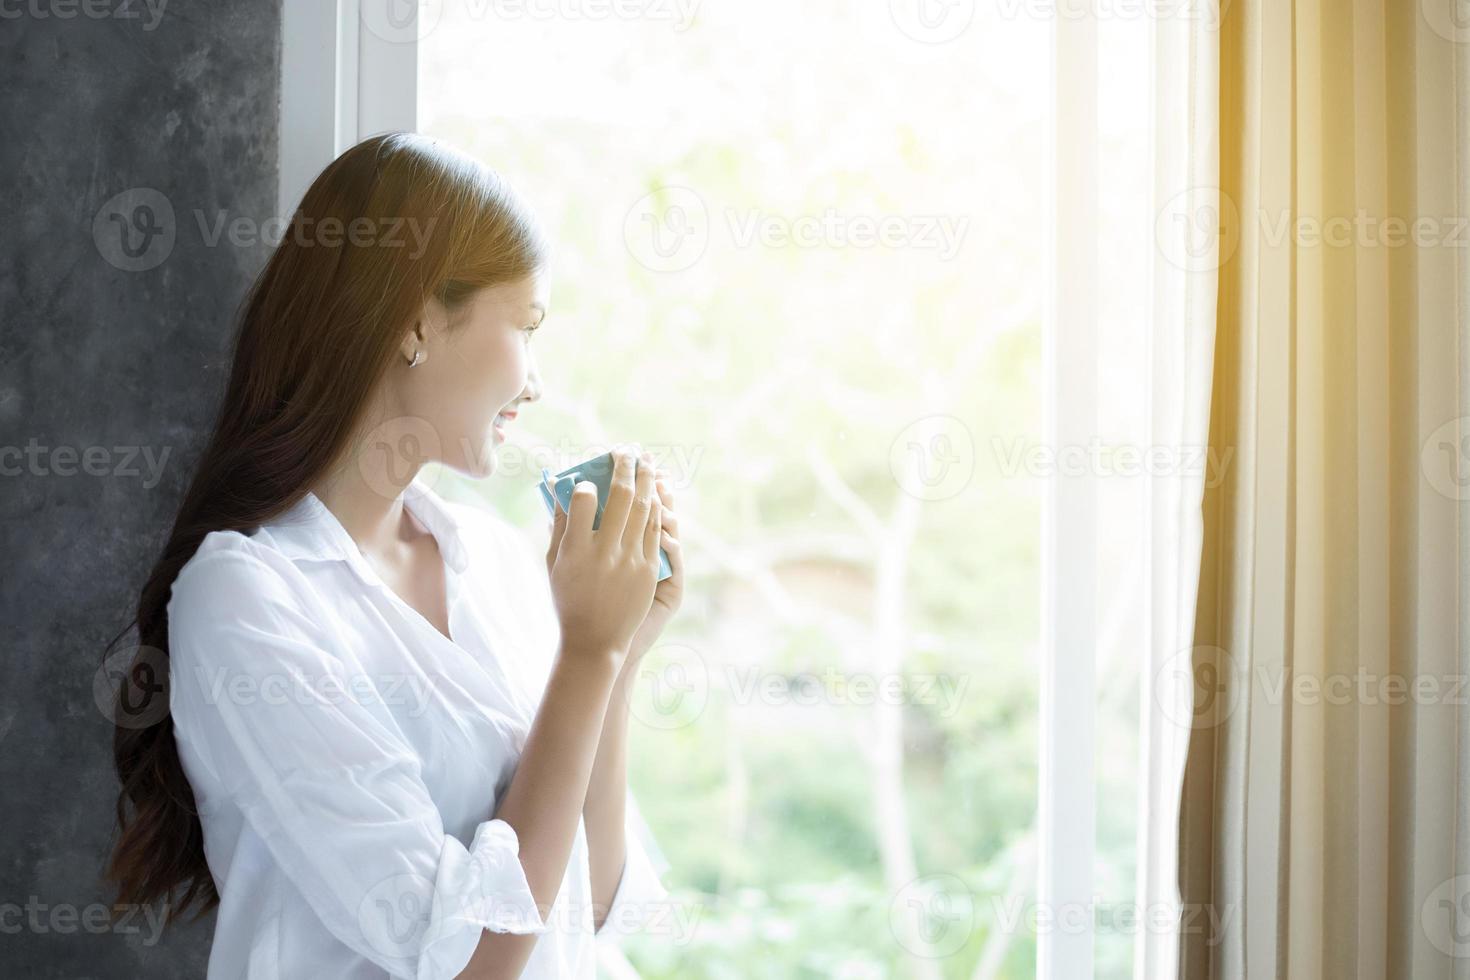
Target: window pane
[[799, 256]]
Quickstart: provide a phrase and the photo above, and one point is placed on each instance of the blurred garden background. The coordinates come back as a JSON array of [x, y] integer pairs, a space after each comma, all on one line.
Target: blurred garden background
[[798, 257]]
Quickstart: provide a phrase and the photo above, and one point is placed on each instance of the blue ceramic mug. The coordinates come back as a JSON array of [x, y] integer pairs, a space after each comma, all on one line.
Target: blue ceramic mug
[[598, 470]]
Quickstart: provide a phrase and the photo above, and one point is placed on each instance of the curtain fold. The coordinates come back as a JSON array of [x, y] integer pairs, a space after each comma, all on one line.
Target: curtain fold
[[1321, 816], [1181, 339]]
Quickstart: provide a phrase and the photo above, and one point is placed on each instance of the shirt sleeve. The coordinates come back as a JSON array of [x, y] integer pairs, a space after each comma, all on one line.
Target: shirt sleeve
[[640, 900], [319, 769]]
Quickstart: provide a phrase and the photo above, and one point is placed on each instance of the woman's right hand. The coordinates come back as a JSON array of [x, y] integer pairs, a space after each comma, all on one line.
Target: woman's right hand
[[603, 581]]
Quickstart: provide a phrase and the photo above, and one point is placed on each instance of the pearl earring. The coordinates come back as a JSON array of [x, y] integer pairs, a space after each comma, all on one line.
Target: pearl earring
[[418, 358]]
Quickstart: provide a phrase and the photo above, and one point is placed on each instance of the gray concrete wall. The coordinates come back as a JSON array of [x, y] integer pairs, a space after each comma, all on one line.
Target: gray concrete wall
[[112, 355]]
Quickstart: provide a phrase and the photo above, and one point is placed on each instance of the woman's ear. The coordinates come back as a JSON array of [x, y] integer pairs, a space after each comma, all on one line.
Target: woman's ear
[[414, 342], [430, 322]]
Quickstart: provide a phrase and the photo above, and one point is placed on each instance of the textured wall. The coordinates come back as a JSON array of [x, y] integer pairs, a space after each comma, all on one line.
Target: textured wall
[[112, 355]]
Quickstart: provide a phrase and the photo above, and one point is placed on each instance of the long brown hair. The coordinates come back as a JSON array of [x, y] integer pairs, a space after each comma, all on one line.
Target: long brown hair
[[320, 326]]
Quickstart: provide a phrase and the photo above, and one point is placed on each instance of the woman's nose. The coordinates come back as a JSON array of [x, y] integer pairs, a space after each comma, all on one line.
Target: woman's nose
[[532, 391]]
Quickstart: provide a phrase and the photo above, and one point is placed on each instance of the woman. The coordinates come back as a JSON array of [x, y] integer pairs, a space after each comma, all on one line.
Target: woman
[[395, 745]]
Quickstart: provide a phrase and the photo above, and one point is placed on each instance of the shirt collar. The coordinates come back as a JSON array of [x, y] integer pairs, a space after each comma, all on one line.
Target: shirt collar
[[309, 531]]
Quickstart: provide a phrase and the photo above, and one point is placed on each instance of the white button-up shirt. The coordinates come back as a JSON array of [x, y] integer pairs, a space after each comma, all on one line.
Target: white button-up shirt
[[346, 757]]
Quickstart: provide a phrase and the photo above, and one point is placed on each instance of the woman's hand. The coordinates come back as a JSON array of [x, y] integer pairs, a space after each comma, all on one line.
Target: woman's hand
[[670, 592], [603, 581]]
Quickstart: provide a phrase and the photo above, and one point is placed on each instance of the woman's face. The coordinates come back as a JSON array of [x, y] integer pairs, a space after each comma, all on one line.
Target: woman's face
[[474, 368]]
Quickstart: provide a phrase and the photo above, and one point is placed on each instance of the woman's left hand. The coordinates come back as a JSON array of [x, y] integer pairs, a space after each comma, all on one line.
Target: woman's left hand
[[670, 592]]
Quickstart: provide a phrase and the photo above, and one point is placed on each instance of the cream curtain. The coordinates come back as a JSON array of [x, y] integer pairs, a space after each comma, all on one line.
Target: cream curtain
[[1324, 818]]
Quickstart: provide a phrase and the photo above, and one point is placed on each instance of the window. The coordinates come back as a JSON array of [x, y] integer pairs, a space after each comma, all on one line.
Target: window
[[875, 282]]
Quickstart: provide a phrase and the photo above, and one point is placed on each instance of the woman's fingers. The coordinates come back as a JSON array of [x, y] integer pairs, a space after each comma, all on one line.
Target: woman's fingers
[[652, 532], [676, 552], [583, 511], [620, 491], [640, 515], [558, 531]]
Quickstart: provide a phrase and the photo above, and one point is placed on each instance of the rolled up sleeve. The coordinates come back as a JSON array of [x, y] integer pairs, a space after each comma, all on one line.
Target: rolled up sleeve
[[640, 900], [326, 779]]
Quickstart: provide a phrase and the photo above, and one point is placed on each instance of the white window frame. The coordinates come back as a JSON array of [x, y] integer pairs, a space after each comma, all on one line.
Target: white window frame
[[1066, 774], [341, 83]]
